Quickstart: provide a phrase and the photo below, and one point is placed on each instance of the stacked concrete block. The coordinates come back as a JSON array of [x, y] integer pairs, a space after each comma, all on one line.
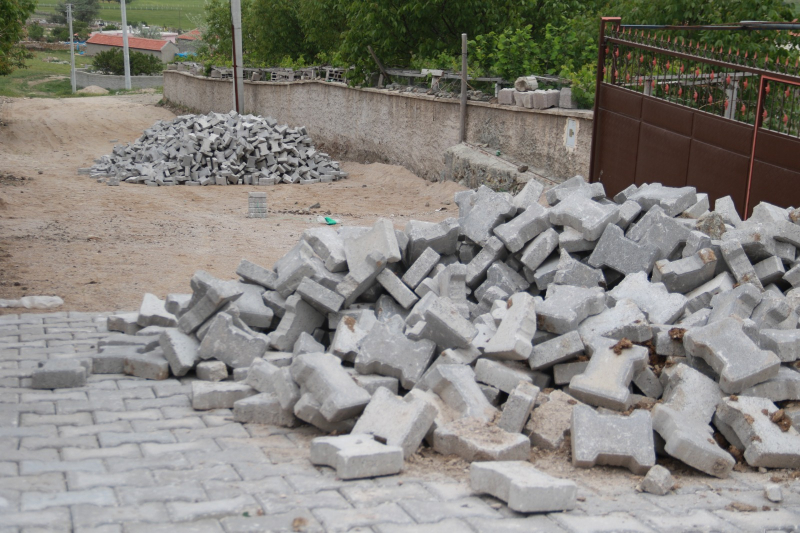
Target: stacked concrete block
[[257, 205], [222, 149], [446, 332]]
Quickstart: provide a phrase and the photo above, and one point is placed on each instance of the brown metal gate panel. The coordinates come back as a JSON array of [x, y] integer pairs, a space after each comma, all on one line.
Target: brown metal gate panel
[[674, 114]]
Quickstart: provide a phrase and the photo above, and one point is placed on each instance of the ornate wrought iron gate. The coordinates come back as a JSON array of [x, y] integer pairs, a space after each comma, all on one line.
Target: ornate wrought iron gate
[[673, 111]]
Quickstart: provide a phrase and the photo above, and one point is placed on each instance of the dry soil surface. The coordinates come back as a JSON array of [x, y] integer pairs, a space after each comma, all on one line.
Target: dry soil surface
[[100, 248]]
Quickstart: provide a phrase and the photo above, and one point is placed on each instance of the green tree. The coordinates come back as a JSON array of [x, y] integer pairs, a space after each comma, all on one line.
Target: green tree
[[13, 14], [35, 32], [83, 10], [111, 62]]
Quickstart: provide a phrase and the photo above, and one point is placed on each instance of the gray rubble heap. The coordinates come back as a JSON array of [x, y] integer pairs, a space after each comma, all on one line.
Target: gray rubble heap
[[218, 149], [470, 352]]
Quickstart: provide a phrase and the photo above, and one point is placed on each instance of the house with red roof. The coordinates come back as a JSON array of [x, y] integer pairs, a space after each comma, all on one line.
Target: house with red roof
[[160, 48], [189, 41]]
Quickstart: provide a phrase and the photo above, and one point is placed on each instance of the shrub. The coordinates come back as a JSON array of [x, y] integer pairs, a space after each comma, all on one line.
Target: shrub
[[111, 62], [35, 32]]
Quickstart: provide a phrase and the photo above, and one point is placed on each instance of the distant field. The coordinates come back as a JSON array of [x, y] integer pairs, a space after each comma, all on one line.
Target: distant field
[[41, 79], [178, 14]]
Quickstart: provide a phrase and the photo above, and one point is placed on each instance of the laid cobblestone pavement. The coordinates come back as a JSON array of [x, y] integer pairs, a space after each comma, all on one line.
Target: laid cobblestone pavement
[[127, 454]]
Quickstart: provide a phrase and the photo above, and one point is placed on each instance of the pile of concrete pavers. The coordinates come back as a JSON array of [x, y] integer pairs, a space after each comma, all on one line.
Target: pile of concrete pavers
[[218, 149], [626, 327], [538, 98]]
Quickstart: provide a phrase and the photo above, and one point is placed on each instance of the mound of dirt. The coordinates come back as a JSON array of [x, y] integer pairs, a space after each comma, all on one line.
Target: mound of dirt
[[93, 89]]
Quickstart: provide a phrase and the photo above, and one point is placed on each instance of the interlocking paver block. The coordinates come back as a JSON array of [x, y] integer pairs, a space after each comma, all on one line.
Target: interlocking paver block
[[154, 313], [386, 350], [785, 343], [784, 386], [124, 322], [727, 210], [490, 209], [682, 420], [149, 365], [473, 439], [514, 336], [653, 299], [558, 350], [739, 264], [229, 344], [328, 245], [264, 408], [572, 272], [661, 231], [565, 307], [356, 456], [300, 317], [624, 320], [584, 215], [209, 294], [605, 381], [211, 371], [738, 302], [397, 289], [259, 275], [380, 238], [611, 439], [208, 395], [362, 278], [685, 275], [349, 333], [441, 323], [493, 250], [539, 249], [504, 376], [456, 386], [625, 256], [523, 487], [766, 444], [770, 270], [306, 343], [524, 227], [732, 354], [402, 422], [575, 184], [673, 200], [439, 237], [323, 377], [518, 407], [321, 298], [180, 350], [528, 196], [60, 374], [421, 267], [700, 297]]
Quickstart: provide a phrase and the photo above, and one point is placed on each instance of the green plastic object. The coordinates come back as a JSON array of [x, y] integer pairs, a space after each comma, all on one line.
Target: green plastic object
[[330, 221], [497, 153]]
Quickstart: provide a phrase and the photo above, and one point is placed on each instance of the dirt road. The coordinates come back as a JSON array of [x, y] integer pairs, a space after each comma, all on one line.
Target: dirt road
[[100, 248]]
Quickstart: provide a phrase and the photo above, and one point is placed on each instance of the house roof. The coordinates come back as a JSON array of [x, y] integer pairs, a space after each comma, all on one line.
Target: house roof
[[194, 35], [133, 42]]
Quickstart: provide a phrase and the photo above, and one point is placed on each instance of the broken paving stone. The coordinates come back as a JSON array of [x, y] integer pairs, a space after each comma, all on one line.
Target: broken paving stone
[[180, 351], [153, 312], [739, 264], [396, 421], [766, 443], [732, 354], [349, 333], [328, 245], [549, 425], [524, 488], [658, 481], [458, 390], [307, 344], [612, 439], [440, 238], [565, 307], [300, 317], [605, 381], [473, 439], [356, 456]]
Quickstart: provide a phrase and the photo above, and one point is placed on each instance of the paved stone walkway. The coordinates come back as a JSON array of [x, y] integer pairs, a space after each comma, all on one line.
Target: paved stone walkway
[[126, 454]]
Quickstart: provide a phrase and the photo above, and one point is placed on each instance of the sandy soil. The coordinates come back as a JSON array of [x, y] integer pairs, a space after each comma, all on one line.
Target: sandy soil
[[100, 248]]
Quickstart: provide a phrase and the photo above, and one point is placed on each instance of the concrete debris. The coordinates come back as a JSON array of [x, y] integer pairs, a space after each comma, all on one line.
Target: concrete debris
[[450, 334], [219, 149]]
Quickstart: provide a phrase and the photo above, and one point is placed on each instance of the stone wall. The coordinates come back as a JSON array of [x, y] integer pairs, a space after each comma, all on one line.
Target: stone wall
[[400, 128], [106, 81]]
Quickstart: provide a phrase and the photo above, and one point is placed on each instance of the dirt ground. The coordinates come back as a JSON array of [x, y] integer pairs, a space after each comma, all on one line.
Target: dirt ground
[[101, 248]]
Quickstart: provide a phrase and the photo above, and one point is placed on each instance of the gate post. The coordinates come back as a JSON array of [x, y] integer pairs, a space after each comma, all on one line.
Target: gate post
[[601, 61]]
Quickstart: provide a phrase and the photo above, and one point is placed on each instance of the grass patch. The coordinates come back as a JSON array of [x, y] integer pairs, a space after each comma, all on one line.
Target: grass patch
[[41, 78], [173, 14]]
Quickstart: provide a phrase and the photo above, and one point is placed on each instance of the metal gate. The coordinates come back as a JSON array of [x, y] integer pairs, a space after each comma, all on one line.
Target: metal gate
[[673, 111]]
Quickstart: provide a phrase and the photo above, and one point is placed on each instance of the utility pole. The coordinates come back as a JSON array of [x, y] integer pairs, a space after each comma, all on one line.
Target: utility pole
[[125, 58], [236, 30], [72, 79]]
